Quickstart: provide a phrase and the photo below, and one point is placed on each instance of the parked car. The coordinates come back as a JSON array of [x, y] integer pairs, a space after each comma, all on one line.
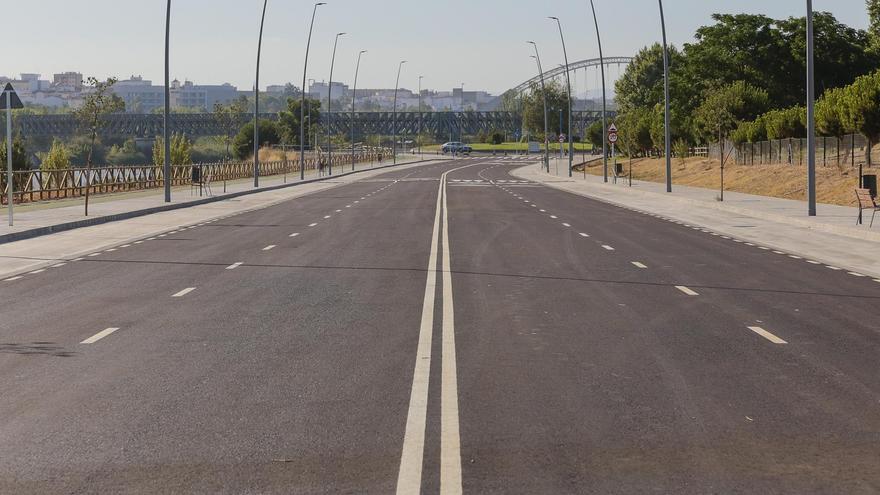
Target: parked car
[[455, 147]]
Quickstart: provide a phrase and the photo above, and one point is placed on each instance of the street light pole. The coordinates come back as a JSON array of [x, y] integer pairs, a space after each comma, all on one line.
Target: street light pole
[[537, 58], [420, 116], [667, 130], [394, 115], [811, 116], [302, 108], [257, 102], [604, 98], [568, 84], [166, 169], [353, 100], [329, 109]]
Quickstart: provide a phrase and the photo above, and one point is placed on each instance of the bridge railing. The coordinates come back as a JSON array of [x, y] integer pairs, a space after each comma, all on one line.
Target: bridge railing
[[45, 185]]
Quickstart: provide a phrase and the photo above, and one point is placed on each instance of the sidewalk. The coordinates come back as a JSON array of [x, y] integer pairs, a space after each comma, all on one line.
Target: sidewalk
[[46, 217], [782, 224], [39, 253]]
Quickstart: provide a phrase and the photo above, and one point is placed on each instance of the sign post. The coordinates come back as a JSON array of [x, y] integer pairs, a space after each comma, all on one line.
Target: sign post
[[612, 138], [10, 100]]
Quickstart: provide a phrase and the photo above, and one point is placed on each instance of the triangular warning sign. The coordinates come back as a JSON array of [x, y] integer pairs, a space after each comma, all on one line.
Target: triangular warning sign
[[15, 100], [613, 128]]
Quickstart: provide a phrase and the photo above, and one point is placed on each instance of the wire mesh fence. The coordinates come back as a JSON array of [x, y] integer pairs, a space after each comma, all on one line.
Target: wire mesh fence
[[850, 150]]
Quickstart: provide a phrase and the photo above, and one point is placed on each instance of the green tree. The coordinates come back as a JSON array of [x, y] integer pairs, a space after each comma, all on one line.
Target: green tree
[[634, 130], [595, 134], [533, 109], [181, 150], [829, 113], [243, 145], [641, 85], [57, 158], [228, 118], [874, 27], [496, 137], [861, 108], [21, 162], [786, 123], [289, 122], [98, 102], [722, 110]]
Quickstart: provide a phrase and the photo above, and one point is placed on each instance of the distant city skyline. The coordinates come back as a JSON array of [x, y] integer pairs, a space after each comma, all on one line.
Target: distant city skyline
[[484, 48]]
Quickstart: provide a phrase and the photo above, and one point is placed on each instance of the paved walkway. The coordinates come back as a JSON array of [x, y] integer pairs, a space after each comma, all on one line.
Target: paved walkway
[[36, 217], [831, 237]]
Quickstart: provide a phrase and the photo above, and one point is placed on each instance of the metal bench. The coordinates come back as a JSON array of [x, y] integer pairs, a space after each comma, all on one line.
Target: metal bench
[[866, 202]]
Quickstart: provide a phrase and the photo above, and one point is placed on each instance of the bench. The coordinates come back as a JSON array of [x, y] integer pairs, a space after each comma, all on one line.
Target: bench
[[866, 202]]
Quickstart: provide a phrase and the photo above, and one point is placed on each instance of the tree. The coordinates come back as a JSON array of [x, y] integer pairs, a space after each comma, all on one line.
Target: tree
[[596, 134], [861, 108], [786, 123], [243, 145], [829, 113], [20, 160], [289, 123], [533, 109], [57, 158], [874, 28], [496, 137], [641, 85], [634, 130], [97, 102], [722, 110], [228, 117], [181, 150]]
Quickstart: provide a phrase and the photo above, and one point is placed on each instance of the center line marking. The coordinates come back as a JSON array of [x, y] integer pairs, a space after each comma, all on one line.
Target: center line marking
[[234, 266], [686, 290], [98, 336], [638, 265], [184, 292], [767, 335], [269, 247]]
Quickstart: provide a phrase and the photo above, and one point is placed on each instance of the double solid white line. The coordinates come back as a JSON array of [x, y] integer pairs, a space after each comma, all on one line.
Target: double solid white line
[[409, 480]]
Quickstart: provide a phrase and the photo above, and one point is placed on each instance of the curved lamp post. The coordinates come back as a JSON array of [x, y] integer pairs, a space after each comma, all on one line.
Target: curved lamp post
[[568, 84], [329, 109], [394, 114], [302, 108], [667, 131], [353, 100], [166, 169], [537, 58], [257, 102], [604, 99]]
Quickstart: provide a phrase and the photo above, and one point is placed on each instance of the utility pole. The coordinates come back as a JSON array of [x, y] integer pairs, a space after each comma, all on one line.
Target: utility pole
[[257, 102], [166, 169], [329, 109], [537, 57], [353, 101], [302, 108], [667, 130], [811, 115], [604, 99]]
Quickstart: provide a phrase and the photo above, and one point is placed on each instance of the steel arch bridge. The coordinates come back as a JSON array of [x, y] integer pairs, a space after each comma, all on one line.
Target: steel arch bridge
[[558, 71], [439, 124]]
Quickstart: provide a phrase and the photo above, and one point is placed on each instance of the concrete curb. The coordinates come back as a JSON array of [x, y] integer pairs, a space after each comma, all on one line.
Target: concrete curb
[[866, 235], [89, 222]]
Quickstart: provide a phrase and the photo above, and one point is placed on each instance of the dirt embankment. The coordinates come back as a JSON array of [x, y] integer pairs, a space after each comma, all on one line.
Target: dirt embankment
[[835, 185]]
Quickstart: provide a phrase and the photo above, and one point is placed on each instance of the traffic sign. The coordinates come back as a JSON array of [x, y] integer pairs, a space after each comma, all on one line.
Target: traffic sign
[[13, 96], [562, 138], [612, 134]]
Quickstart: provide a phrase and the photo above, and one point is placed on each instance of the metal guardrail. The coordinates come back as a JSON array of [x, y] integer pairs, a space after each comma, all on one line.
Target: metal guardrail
[[44, 185]]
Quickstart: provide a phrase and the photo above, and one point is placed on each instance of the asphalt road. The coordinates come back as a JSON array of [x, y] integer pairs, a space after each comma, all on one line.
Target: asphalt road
[[440, 329]]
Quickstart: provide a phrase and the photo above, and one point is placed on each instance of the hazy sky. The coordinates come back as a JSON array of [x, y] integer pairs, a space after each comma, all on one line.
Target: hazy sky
[[480, 43]]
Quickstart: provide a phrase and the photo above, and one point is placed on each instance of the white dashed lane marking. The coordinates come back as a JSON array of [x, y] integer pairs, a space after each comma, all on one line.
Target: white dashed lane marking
[[98, 336], [269, 247], [294, 234], [767, 335], [234, 266], [313, 224], [638, 264], [686, 290], [607, 247], [184, 292]]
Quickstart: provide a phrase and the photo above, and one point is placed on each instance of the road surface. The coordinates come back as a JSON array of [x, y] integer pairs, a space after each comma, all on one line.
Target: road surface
[[440, 329]]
